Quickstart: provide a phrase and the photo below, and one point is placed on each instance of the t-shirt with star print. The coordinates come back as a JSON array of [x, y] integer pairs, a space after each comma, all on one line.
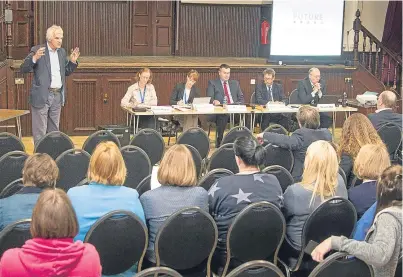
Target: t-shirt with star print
[[229, 195]]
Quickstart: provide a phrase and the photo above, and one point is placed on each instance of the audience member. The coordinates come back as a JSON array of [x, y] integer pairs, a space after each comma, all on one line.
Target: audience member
[[40, 171], [177, 176], [384, 113], [52, 251], [320, 181], [308, 120], [104, 193], [371, 161], [383, 244], [357, 131]]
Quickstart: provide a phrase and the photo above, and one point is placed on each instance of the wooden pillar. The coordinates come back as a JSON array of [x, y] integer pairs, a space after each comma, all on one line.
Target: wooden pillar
[[8, 18]]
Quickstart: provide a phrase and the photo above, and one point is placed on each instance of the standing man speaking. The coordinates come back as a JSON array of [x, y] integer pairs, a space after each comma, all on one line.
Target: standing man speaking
[[48, 92]]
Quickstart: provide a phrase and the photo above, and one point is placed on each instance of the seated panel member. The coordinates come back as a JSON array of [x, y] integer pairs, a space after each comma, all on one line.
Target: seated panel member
[[184, 93], [384, 113], [266, 92], [219, 89], [310, 91]]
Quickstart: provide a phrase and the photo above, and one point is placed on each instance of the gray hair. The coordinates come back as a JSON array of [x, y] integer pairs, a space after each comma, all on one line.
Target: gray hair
[[52, 30]]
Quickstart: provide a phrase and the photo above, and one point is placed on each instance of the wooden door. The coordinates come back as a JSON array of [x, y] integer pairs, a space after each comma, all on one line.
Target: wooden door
[[22, 28]]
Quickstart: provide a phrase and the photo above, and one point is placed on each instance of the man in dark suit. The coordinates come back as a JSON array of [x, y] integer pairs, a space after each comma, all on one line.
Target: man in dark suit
[[48, 92], [309, 132], [220, 89], [266, 92], [310, 90], [384, 113]]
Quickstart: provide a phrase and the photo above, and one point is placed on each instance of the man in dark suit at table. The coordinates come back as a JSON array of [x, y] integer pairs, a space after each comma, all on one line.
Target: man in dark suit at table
[[310, 90], [384, 113], [269, 91], [48, 92], [220, 89]]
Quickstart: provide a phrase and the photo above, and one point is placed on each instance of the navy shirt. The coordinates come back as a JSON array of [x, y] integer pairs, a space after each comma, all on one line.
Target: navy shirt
[[363, 196]]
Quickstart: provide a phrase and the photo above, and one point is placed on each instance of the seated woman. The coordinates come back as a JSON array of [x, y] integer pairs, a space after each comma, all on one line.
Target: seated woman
[[104, 193], [142, 94], [357, 131], [371, 161], [320, 181], [40, 171], [52, 251], [229, 195], [184, 93], [177, 176], [383, 243]]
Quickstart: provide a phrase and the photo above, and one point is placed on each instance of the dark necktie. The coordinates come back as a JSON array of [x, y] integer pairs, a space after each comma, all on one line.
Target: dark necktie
[[271, 93], [227, 93]]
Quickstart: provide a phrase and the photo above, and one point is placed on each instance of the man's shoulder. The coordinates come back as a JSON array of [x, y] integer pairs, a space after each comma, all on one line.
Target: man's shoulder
[[234, 82]]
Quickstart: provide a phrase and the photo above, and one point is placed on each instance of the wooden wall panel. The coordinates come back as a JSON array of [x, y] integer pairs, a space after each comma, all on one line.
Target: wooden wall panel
[[116, 89]]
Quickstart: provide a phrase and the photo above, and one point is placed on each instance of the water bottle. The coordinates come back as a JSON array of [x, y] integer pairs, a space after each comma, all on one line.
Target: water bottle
[[224, 102], [344, 100]]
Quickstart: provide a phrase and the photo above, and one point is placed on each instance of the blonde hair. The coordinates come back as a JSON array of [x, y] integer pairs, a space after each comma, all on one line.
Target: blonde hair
[[107, 165], [40, 170], [177, 167], [193, 74], [308, 117], [320, 170], [52, 30], [371, 161], [388, 99]]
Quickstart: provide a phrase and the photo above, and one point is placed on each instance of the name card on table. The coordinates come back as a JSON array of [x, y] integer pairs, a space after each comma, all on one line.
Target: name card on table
[[326, 106], [161, 109], [237, 108], [274, 106], [203, 107]]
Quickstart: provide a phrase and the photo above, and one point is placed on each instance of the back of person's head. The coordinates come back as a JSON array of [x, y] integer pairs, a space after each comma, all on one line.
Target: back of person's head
[[308, 117], [387, 99], [53, 216], [249, 151], [177, 167], [107, 165], [320, 170], [40, 170], [389, 188], [357, 131], [371, 161]]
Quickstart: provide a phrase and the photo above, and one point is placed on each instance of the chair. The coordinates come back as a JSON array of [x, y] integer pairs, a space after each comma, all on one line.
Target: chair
[[144, 185], [15, 235], [342, 264], [391, 136], [256, 268], [137, 163], [121, 239], [356, 182], [83, 182], [211, 177], [151, 142], [256, 233], [186, 240], [253, 98], [155, 271], [283, 175], [12, 188], [236, 132], [276, 128], [197, 159], [54, 144], [10, 142], [223, 157], [11, 165], [197, 138], [343, 175], [276, 155], [398, 272], [293, 98], [94, 139], [73, 166]]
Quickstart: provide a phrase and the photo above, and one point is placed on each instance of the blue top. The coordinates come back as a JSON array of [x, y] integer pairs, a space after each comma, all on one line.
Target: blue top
[[364, 223], [95, 200], [363, 196]]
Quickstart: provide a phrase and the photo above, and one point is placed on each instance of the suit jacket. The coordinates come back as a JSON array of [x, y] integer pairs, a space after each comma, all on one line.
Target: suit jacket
[[304, 88], [179, 90], [215, 90], [298, 143], [262, 95], [42, 74], [385, 116], [132, 96]]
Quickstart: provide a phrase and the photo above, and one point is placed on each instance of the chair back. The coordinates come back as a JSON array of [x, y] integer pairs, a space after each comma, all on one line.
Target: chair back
[[10, 142], [276, 155], [15, 235], [256, 233], [151, 142], [137, 163], [73, 166], [197, 138], [145, 185], [342, 264], [343, 175], [398, 272], [155, 271], [212, 176], [236, 132], [253, 98], [223, 157], [259, 268], [121, 239], [283, 175], [197, 159], [293, 98], [12, 188], [94, 139], [11, 165], [54, 144], [186, 239], [83, 182], [391, 136], [277, 128]]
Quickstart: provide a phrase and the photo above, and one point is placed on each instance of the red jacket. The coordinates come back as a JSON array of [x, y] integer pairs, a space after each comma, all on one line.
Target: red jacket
[[51, 258]]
